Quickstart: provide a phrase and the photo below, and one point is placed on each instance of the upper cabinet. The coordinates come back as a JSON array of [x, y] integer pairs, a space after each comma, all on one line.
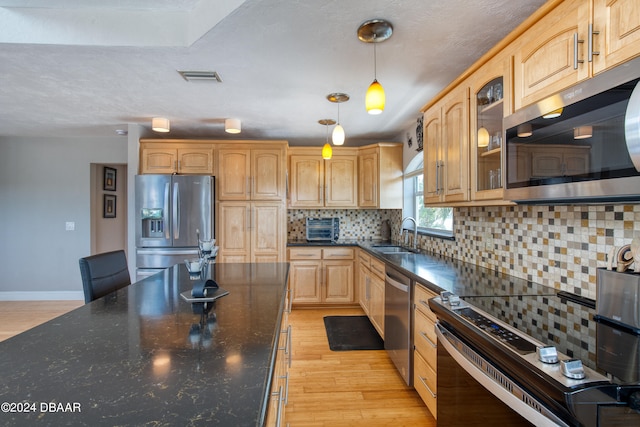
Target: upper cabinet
[[490, 102], [446, 149], [577, 39], [246, 173], [618, 25], [316, 182], [176, 158], [380, 176]]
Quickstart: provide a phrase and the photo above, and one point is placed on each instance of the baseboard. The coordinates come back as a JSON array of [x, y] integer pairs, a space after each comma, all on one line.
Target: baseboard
[[42, 296]]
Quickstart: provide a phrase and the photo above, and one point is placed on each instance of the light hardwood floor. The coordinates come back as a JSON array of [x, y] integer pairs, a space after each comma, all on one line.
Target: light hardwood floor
[[327, 388], [345, 388], [18, 316]]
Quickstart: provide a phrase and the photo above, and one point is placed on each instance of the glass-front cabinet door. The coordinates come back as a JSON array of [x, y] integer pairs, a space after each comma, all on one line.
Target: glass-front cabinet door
[[489, 108], [489, 104]]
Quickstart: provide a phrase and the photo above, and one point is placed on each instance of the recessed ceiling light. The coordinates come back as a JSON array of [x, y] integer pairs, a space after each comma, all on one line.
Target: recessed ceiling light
[[122, 132], [200, 75]]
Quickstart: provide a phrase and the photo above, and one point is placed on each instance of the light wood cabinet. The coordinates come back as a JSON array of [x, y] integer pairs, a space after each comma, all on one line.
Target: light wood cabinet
[[322, 275], [446, 149], [573, 42], [278, 398], [380, 176], [371, 289], [251, 174], [319, 183], [618, 26], [251, 231], [167, 159], [425, 348], [490, 102]]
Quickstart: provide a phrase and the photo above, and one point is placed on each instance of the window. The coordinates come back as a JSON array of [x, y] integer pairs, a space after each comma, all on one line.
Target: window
[[434, 221]]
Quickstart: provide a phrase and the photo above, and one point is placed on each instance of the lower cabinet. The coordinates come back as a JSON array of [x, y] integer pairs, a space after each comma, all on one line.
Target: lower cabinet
[[425, 348], [279, 393], [371, 289], [322, 275]]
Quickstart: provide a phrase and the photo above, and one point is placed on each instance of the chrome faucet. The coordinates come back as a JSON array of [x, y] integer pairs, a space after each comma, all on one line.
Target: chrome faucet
[[415, 231]]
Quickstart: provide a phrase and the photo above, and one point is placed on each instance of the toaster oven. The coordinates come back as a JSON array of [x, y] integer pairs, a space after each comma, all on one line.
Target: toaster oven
[[323, 229]]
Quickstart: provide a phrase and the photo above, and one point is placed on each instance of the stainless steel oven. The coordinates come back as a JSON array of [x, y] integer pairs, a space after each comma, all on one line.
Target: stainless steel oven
[[525, 360]]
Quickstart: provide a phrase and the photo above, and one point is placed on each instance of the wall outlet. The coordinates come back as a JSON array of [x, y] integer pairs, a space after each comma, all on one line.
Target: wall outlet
[[70, 226]]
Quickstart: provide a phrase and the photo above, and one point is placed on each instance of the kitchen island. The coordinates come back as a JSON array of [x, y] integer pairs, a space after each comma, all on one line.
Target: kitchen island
[[145, 356]]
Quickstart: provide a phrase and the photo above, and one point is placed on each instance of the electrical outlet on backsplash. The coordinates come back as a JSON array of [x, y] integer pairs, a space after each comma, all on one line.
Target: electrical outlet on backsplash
[[559, 246]]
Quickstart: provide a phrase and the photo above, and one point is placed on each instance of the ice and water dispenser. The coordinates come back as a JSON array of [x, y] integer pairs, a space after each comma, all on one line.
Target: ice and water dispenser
[[152, 223]]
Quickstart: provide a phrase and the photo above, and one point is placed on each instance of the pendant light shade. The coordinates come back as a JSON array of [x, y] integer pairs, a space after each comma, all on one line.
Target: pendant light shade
[[160, 124], [375, 31], [338, 135], [553, 114], [375, 98], [483, 137], [327, 151], [232, 126]]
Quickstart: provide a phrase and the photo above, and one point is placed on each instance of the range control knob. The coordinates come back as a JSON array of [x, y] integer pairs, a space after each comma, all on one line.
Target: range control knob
[[444, 295], [454, 300], [572, 368], [547, 354]]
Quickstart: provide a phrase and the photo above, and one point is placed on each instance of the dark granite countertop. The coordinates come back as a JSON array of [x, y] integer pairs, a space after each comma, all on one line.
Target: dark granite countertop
[[144, 356]]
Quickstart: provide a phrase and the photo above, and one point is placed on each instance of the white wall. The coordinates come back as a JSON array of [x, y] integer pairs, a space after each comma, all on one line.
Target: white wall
[[45, 183]]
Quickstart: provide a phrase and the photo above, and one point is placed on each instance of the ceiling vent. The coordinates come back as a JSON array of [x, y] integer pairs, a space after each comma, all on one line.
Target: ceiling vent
[[200, 75]]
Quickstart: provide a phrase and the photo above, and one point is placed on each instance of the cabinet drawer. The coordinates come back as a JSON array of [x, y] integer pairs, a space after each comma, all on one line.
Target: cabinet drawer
[[338, 253], [424, 381], [305, 253], [364, 258], [425, 339], [421, 298], [377, 267]]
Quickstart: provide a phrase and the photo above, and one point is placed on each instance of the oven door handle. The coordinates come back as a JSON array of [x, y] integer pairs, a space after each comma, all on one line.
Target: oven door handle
[[450, 343]]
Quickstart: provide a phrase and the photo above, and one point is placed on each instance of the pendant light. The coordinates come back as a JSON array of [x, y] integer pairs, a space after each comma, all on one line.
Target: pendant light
[[327, 151], [232, 125], [337, 136], [375, 31]]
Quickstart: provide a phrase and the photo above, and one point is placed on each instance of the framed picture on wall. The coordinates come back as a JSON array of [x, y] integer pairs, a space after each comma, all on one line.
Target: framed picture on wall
[[109, 206], [109, 180]]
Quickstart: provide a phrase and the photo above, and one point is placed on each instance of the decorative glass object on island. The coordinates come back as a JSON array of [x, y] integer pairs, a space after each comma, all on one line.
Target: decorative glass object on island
[[195, 267], [207, 248]]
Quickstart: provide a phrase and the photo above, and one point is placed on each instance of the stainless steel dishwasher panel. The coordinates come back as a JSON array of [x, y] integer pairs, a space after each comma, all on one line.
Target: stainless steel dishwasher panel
[[397, 322]]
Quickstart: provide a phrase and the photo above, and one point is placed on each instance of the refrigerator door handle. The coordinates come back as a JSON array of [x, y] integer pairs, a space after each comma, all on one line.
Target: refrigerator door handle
[[176, 211], [165, 213]]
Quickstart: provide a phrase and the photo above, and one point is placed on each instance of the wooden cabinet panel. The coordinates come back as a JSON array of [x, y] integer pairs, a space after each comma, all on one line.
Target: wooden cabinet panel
[[618, 24], [233, 174], [335, 280], [307, 180], [169, 158], [305, 281], [158, 160], [368, 180], [195, 161], [446, 149], [424, 383], [267, 176], [338, 281], [233, 237], [341, 181], [552, 53], [376, 303], [426, 346]]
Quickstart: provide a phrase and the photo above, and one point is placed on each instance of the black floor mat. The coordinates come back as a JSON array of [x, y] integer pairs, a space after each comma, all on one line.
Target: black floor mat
[[352, 333]]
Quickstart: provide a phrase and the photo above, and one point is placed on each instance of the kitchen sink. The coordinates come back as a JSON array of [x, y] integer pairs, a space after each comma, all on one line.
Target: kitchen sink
[[392, 249]]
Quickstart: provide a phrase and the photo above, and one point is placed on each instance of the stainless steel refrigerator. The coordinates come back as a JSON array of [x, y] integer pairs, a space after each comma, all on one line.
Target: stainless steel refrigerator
[[170, 211]]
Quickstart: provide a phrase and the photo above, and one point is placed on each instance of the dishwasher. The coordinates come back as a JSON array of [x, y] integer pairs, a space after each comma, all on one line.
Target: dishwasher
[[397, 321]]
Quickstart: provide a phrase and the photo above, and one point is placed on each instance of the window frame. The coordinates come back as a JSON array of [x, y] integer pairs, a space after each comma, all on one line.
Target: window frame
[[414, 170]]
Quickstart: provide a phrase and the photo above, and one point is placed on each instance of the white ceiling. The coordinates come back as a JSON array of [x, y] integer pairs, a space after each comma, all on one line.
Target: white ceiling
[[89, 67]]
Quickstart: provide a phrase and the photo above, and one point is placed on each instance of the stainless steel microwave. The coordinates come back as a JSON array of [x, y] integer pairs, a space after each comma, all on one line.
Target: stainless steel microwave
[[581, 145]]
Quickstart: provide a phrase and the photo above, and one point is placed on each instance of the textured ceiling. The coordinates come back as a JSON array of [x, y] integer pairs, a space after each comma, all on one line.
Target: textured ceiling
[[89, 67]]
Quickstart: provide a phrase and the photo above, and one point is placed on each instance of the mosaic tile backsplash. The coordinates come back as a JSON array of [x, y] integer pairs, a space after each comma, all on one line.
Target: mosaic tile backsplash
[[559, 246]]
